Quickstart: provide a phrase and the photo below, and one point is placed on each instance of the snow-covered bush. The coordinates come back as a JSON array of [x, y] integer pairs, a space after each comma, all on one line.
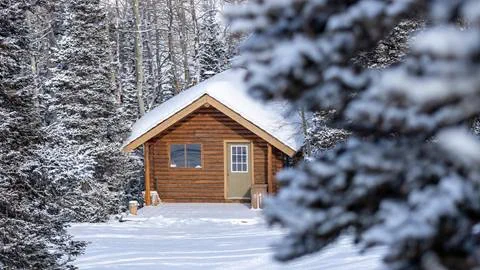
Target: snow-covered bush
[[408, 177]]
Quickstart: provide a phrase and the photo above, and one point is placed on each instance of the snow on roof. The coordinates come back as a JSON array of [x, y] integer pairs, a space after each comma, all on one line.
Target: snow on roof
[[228, 88]]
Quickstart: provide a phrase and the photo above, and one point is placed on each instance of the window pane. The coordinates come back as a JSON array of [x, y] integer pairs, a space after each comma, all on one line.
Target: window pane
[[194, 156], [177, 156], [239, 158]]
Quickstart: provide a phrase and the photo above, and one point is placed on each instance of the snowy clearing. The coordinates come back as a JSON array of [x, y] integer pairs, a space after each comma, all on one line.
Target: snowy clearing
[[200, 236]]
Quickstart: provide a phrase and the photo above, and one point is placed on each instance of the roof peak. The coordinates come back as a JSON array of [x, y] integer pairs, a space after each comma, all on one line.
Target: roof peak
[[229, 90]]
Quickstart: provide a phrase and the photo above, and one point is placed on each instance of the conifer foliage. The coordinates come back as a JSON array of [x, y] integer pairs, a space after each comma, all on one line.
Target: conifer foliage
[[32, 236], [68, 97], [408, 177], [84, 132], [320, 136], [212, 51]]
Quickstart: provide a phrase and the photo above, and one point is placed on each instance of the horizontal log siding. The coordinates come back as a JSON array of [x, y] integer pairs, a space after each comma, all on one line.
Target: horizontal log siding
[[277, 166], [210, 128]]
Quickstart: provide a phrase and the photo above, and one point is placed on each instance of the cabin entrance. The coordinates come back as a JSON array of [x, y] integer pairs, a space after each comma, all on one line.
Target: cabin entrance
[[239, 170]]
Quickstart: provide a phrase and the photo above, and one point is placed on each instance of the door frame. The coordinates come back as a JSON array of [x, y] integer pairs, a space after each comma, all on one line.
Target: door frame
[[226, 167]]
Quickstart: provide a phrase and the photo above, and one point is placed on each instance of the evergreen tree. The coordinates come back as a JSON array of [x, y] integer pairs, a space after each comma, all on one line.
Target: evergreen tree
[[408, 177], [168, 87], [132, 170], [393, 48], [32, 236], [389, 51], [126, 58], [212, 51], [84, 128], [129, 96], [320, 136]]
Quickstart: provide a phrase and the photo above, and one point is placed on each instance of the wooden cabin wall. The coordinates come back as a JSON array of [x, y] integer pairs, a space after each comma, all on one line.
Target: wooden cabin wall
[[210, 128], [277, 166]]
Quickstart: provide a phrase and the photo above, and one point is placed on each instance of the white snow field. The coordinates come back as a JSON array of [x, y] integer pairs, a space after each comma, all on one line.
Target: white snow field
[[201, 236]]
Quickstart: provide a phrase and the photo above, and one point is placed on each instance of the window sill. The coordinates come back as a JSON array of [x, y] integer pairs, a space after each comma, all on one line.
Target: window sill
[[183, 168]]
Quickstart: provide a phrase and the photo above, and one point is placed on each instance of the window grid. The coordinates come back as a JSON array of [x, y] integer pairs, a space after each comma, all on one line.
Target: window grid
[[239, 158]]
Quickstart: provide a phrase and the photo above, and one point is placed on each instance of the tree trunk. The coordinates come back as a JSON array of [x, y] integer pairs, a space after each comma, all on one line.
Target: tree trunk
[[196, 41], [138, 56], [308, 149], [171, 49], [158, 58], [183, 40], [112, 65], [119, 89], [149, 63]]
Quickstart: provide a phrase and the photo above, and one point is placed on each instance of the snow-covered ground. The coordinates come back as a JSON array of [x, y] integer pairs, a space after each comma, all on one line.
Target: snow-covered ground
[[201, 236]]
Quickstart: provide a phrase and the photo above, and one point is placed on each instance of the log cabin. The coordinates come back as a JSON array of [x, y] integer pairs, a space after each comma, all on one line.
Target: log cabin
[[214, 142]]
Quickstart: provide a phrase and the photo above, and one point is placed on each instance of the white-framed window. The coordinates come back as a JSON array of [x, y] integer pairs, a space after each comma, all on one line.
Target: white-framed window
[[239, 158]]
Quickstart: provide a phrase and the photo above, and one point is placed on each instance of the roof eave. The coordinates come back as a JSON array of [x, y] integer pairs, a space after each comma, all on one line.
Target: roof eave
[[207, 99]]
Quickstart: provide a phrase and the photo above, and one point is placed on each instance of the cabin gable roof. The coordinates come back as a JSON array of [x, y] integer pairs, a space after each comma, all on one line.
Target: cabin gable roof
[[226, 93]]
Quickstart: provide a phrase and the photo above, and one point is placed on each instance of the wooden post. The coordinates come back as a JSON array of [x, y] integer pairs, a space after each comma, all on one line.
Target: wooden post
[[258, 193], [146, 151], [270, 170]]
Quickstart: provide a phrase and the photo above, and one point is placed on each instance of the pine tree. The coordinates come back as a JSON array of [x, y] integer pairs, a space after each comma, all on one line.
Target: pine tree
[[393, 48], [84, 123], [168, 87], [32, 236], [126, 58], [408, 177], [133, 168], [389, 51], [320, 136], [212, 51]]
